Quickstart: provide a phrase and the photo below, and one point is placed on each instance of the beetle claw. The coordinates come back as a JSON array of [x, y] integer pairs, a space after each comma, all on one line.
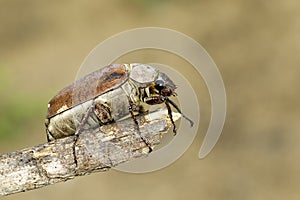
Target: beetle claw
[[174, 129]]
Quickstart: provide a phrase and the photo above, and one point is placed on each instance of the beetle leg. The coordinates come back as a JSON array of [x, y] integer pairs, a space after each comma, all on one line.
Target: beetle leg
[[171, 117], [80, 129], [176, 107], [49, 136], [137, 125], [103, 113]]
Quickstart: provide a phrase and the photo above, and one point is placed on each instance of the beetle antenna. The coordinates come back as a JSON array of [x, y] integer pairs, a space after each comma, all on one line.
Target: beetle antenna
[[176, 107]]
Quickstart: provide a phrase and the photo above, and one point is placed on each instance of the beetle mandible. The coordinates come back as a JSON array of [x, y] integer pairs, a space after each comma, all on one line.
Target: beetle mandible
[[108, 95]]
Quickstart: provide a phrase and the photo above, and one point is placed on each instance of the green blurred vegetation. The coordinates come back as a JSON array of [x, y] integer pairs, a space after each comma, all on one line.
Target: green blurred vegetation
[[16, 113], [17, 109]]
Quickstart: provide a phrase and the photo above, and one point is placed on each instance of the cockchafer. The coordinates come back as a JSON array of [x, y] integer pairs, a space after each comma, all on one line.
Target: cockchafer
[[106, 96]]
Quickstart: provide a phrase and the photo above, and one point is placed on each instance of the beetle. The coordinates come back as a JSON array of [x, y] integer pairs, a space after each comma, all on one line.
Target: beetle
[[107, 95]]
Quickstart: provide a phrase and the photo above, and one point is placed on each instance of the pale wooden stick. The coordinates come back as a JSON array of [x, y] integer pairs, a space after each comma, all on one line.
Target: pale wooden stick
[[97, 150]]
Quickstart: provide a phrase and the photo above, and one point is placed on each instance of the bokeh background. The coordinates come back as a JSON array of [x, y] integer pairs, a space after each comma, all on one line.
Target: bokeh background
[[256, 46]]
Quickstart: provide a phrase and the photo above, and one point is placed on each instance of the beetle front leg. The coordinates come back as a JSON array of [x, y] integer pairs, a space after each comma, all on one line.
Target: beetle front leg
[[155, 100], [171, 117]]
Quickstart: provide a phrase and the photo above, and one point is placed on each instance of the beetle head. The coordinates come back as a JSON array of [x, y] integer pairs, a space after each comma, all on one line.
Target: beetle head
[[160, 89], [163, 86]]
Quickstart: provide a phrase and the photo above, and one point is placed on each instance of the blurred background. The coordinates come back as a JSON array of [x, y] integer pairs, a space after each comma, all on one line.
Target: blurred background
[[255, 45]]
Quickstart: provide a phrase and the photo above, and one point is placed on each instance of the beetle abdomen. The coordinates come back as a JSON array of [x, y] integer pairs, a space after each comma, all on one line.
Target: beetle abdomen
[[108, 107]]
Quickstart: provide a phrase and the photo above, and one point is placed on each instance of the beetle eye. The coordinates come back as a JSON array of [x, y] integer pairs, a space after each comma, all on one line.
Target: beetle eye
[[159, 85]]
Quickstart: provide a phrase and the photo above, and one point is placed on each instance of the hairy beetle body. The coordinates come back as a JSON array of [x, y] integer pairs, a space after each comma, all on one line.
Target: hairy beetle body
[[106, 96]]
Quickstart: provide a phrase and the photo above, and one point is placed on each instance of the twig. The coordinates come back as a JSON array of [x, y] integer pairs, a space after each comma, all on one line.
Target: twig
[[97, 150]]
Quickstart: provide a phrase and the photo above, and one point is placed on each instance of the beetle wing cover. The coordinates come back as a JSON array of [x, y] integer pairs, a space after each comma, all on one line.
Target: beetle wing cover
[[88, 87]]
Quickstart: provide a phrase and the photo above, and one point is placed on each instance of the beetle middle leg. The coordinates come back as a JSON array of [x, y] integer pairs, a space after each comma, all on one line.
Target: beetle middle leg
[[131, 105], [103, 114]]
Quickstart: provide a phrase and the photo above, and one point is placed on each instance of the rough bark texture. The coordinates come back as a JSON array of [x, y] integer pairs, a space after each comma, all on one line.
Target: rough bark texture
[[96, 150]]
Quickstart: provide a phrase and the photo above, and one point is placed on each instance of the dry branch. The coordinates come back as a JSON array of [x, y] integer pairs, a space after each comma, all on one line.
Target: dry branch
[[97, 150]]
